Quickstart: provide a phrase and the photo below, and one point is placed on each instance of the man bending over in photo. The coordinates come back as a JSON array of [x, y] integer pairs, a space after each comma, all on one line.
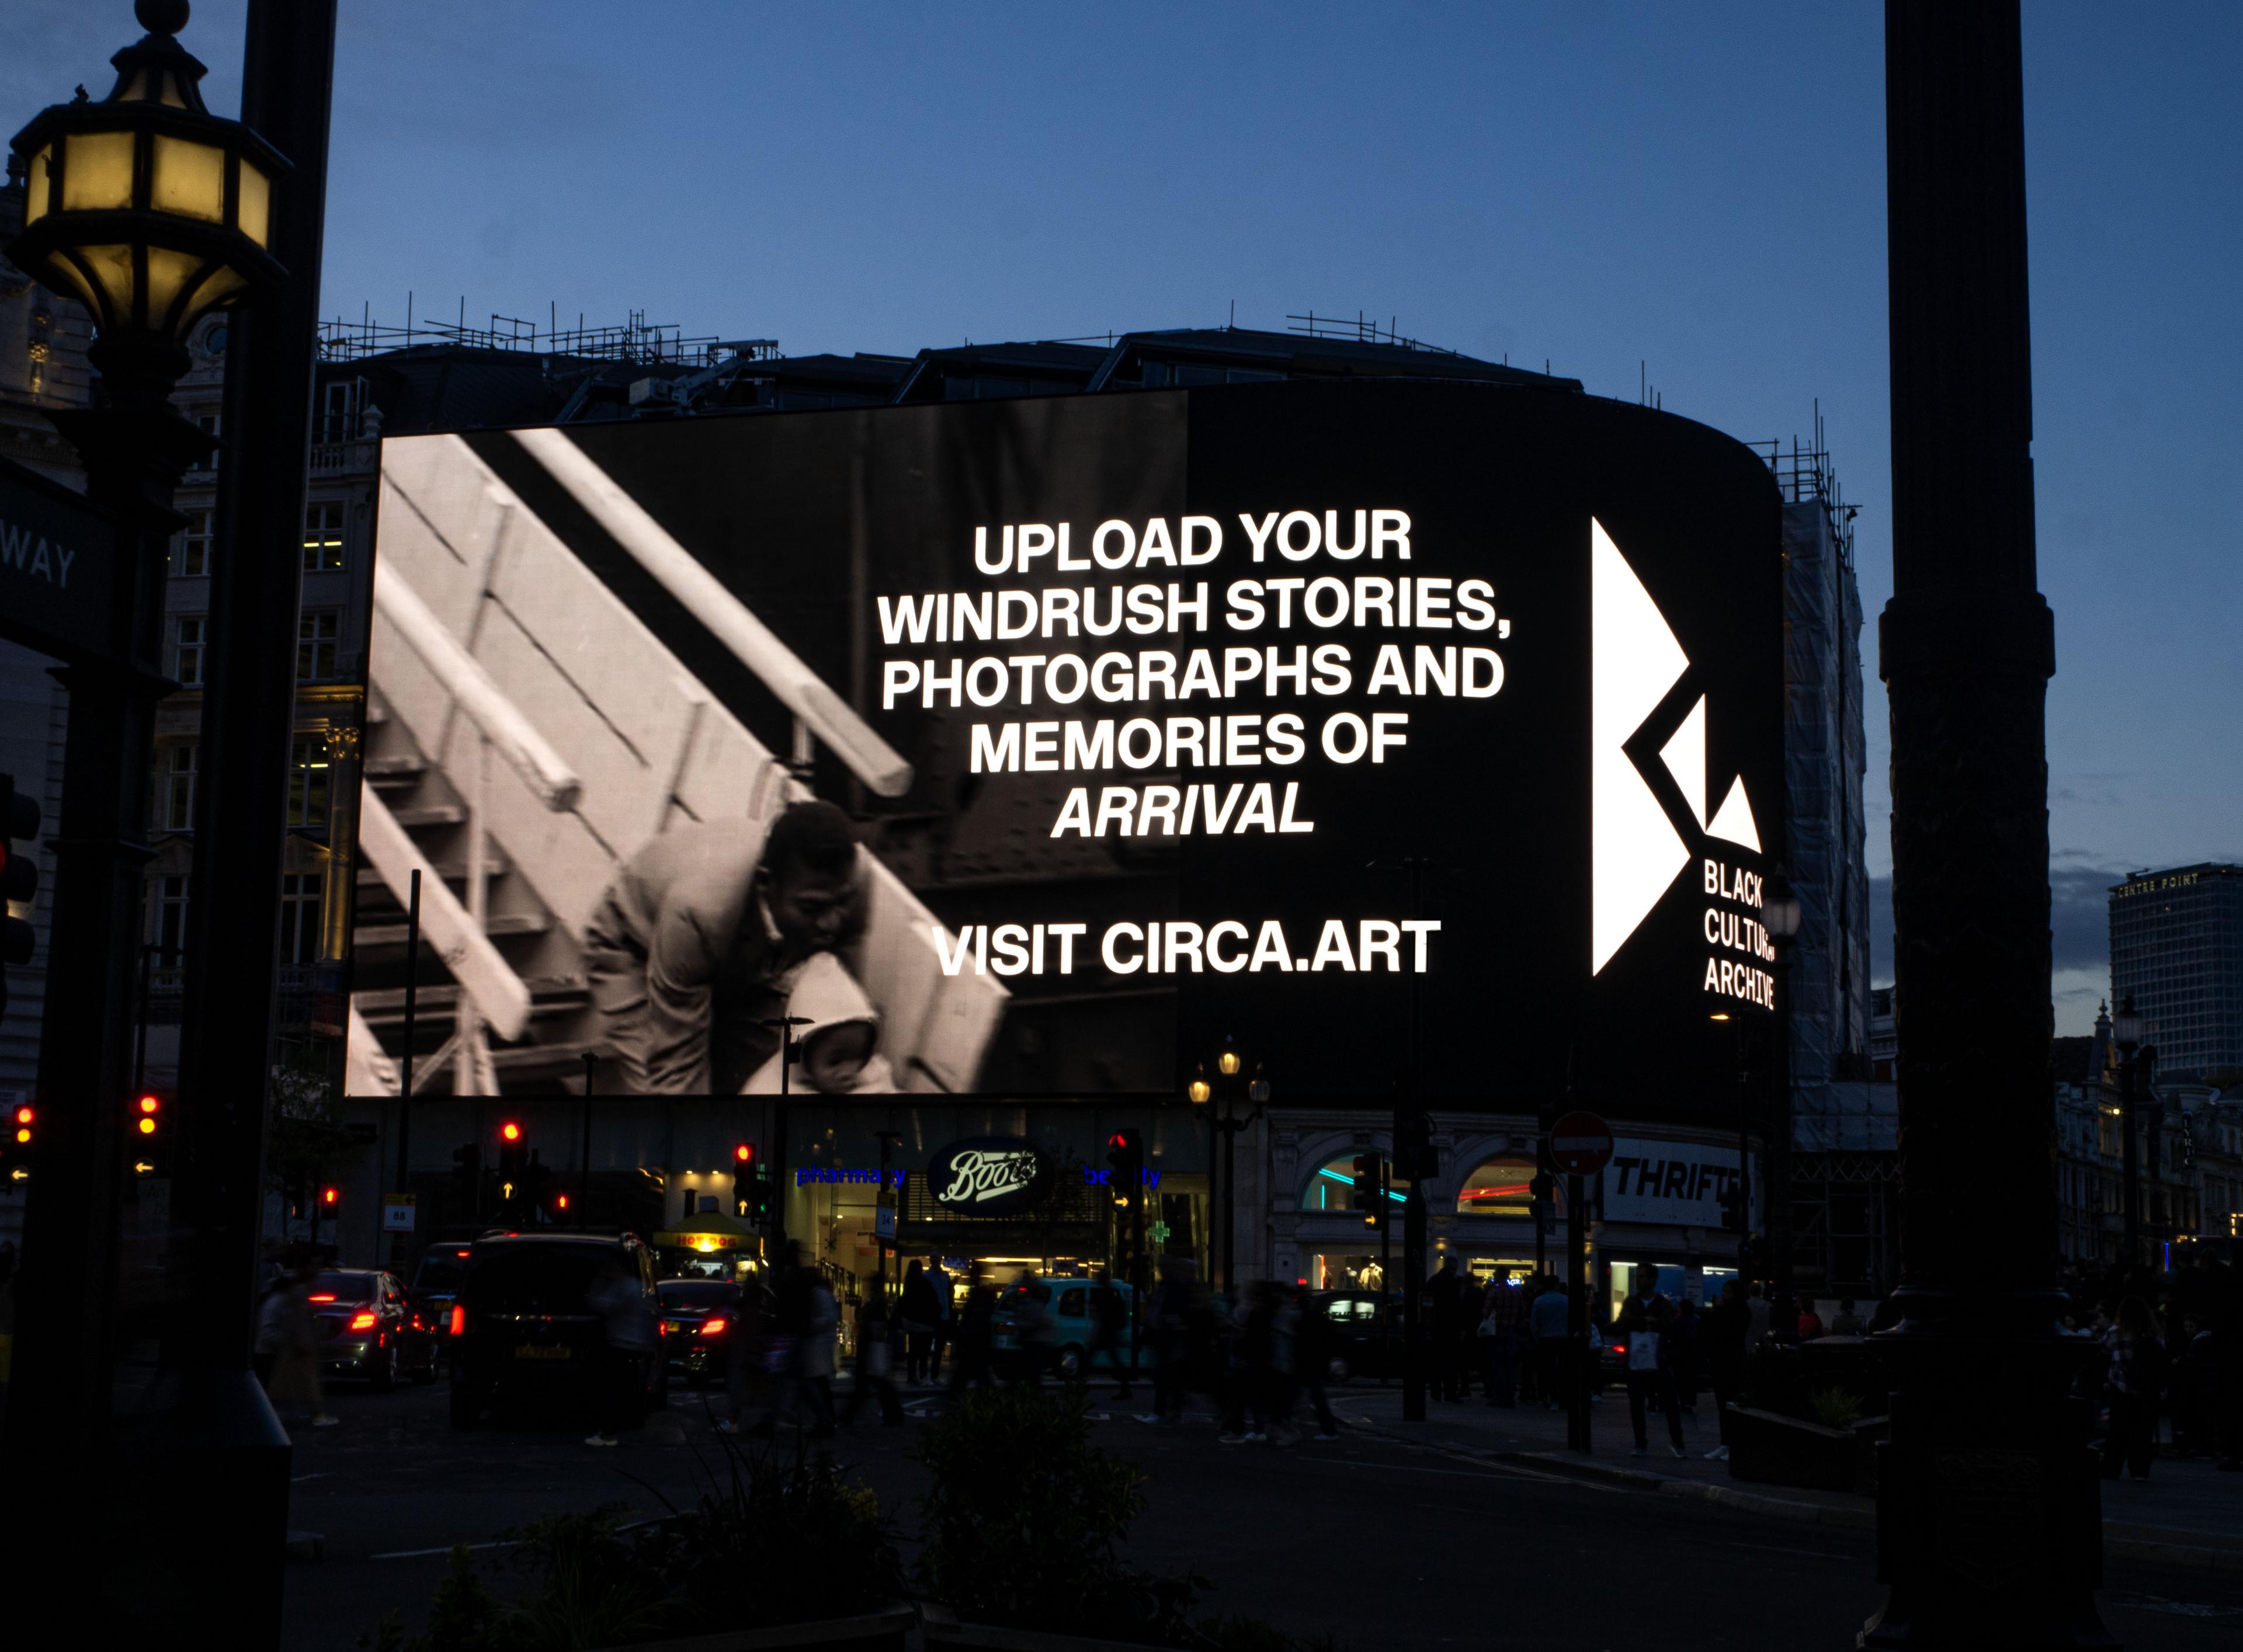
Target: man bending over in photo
[[698, 940]]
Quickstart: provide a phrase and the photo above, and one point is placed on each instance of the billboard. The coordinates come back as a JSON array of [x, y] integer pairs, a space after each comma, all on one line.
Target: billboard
[[1035, 746]]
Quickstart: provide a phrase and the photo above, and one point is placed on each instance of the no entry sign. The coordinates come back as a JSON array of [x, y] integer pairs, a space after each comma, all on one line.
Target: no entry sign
[[1581, 1143]]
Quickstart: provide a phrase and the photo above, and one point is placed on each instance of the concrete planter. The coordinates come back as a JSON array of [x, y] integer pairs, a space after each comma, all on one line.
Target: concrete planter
[[882, 1631], [1777, 1450]]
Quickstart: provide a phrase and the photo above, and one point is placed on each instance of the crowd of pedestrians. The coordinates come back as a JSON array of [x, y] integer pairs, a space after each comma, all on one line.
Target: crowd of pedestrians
[[2170, 1370]]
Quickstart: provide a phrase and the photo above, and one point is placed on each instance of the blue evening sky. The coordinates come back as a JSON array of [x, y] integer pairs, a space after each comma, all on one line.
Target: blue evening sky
[[1699, 189]]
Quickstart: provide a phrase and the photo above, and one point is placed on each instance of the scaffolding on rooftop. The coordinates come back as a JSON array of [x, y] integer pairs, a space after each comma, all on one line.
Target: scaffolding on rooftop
[[1804, 474], [637, 340]]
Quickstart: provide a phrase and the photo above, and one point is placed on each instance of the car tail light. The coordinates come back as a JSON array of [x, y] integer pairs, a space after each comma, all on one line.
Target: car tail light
[[364, 1321], [459, 1319], [321, 1296], [711, 1326]]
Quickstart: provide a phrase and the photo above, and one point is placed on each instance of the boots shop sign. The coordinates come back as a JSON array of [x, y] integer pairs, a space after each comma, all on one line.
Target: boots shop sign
[[988, 1176]]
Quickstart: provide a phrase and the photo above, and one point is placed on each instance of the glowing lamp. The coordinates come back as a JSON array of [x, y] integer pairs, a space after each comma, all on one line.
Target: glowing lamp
[[145, 207], [510, 1131], [1199, 1089]]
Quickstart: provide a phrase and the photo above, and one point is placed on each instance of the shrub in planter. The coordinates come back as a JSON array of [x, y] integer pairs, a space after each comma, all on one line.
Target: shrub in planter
[[779, 1543], [1021, 1522]]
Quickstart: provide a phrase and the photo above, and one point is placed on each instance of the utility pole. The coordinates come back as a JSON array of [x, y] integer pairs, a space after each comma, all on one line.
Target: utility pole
[[405, 1057], [1989, 1531], [1579, 1366]]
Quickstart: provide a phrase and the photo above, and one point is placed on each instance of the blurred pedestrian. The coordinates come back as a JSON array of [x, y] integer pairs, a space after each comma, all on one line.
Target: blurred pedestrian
[[1810, 1322], [1845, 1322], [1721, 1346], [1167, 1320], [747, 1387], [946, 1318], [627, 1322], [970, 1343], [1109, 1332], [819, 1349], [1312, 1353], [1642, 1321], [1497, 1340], [1549, 1319], [1444, 1291], [2132, 1386], [876, 1359], [294, 1384], [922, 1315]]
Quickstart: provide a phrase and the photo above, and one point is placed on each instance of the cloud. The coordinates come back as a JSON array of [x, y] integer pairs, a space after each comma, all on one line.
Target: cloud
[[2079, 925]]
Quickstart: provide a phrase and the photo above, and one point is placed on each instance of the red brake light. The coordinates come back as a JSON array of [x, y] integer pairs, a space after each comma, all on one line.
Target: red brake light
[[461, 1254], [712, 1324], [459, 1319], [363, 1321], [321, 1296]]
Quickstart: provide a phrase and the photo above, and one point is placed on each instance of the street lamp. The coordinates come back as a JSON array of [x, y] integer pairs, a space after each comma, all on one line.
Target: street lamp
[[152, 211], [145, 207], [1223, 1127]]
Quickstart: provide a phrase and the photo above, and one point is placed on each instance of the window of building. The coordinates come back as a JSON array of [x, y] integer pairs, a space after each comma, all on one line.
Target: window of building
[[307, 784], [191, 548], [211, 426], [168, 923], [323, 536], [189, 633], [299, 917], [317, 633], [1332, 1188], [1500, 1187], [341, 401], [175, 796]]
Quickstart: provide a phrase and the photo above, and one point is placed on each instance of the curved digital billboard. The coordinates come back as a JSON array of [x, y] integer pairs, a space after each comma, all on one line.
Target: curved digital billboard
[[1036, 747]]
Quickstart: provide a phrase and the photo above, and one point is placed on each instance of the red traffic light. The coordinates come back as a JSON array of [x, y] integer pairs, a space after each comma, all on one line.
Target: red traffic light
[[562, 1202], [328, 1195], [1117, 1139], [25, 1118], [744, 1153], [510, 1130]]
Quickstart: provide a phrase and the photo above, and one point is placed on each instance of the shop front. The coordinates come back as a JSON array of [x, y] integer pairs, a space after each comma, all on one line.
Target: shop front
[[1659, 1210], [870, 1187]]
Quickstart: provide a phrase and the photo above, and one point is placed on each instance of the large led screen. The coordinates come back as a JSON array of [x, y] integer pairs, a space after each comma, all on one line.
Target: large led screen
[[1039, 746]]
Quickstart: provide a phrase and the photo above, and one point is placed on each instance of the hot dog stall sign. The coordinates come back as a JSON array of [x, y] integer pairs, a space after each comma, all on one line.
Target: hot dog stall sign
[[988, 1176]]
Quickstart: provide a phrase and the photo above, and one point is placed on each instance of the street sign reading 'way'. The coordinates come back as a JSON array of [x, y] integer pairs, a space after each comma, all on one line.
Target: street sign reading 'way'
[[57, 555]]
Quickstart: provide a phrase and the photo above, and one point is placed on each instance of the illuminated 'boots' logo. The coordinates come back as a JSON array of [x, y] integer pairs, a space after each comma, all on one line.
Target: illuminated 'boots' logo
[[1634, 664]]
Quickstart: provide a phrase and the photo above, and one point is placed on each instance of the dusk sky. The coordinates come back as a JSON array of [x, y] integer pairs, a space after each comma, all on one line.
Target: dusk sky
[[1696, 193]]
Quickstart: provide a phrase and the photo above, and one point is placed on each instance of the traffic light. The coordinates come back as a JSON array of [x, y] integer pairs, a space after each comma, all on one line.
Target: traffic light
[[755, 1196], [743, 1157], [537, 1188], [19, 876], [151, 1135], [21, 1137], [1125, 1154], [1415, 1155], [1370, 1195], [331, 1202]]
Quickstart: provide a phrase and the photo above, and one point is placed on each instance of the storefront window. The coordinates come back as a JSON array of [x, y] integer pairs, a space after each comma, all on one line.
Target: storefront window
[[1500, 1187], [1333, 1188]]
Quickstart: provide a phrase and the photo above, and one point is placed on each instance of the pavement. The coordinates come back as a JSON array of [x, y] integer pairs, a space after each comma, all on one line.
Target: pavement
[[1466, 1529], [2187, 1513]]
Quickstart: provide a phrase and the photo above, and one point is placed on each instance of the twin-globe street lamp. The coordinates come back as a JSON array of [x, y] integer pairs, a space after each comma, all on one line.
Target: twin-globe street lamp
[[1202, 1096]]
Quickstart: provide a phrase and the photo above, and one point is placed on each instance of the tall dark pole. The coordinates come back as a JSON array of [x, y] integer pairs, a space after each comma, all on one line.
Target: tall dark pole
[[2130, 1158], [233, 1458], [405, 1059], [584, 1159], [1230, 1202], [1989, 1529], [1418, 1149], [136, 445], [1580, 1367]]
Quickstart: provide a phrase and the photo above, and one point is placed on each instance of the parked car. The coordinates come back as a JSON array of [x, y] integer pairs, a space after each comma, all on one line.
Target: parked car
[[1075, 1328], [700, 1328], [1363, 1333], [436, 1284], [368, 1330], [524, 1330]]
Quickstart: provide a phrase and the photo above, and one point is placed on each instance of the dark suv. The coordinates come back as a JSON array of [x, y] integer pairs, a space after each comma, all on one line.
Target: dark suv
[[524, 1328]]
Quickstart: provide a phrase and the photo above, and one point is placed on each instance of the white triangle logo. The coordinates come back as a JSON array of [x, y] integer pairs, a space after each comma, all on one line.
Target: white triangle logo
[[1734, 824], [1634, 662]]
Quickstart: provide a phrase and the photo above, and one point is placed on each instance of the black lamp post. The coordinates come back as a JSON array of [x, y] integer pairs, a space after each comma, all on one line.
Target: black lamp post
[[2136, 1064], [1781, 915], [1223, 1125], [152, 211]]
